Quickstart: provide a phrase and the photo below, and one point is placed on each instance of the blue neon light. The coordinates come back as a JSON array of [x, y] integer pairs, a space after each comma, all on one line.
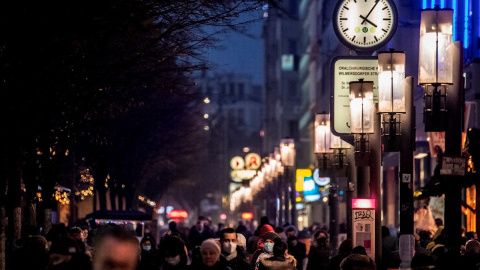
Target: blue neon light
[[424, 4], [432, 5], [465, 33], [442, 3], [454, 5]]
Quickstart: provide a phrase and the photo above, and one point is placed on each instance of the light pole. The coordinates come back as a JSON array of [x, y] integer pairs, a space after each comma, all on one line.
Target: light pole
[[395, 100], [441, 75], [365, 125], [287, 152], [329, 150]]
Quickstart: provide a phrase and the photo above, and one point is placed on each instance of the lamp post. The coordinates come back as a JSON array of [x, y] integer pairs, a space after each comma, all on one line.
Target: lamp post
[[361, 118], [395, 100], [365, 126], [280, 199], [391, 96], [326, 146], [287, 152], [441, 75]]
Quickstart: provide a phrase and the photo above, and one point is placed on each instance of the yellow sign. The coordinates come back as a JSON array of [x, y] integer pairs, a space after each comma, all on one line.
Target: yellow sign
[[301, 174]]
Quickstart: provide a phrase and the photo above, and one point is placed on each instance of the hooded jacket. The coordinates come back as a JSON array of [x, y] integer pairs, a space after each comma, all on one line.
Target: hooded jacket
[[274, 262]]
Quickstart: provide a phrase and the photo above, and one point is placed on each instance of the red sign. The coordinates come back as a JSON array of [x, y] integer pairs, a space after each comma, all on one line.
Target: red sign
[[363, 203], [247, 215], [178, 214]]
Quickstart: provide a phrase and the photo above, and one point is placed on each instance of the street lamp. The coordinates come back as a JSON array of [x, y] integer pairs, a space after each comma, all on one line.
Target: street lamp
[[322, 140], [361, 117], [435, 69], [391, 96], [287, 152]]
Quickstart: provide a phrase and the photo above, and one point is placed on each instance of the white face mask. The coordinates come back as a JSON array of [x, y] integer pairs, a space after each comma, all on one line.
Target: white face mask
[[173, 260], [268, 247], [229, 247]]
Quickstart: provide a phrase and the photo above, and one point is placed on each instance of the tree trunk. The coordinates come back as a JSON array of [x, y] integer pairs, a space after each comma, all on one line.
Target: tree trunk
[[3, 246], [47, 220], [31, 214]]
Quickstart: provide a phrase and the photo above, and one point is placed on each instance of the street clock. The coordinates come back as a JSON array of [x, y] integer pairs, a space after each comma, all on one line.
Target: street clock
[[365, 25]]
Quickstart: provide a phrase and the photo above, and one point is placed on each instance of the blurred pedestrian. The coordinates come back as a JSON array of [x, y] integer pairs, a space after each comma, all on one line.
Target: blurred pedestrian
[[357, 262], [148, 254], [296, 248], [318, 257], [232, 255], [344, 250], [279, 258], [115, 248], [173, 253], [267, 250], [210, 256]]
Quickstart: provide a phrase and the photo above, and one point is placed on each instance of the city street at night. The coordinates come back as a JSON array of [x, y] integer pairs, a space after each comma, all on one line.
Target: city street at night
[[240, 135]]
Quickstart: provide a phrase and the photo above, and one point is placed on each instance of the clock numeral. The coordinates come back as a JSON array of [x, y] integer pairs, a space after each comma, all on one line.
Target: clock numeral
[[345, 30], [384, 30], [376, 39], [387, 19], [384, 8], [354, 38], [364, 38], [345, 7], [343, 19]]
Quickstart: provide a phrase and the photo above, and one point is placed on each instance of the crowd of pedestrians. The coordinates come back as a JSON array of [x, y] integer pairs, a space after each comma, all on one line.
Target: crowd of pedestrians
[[208, 247]]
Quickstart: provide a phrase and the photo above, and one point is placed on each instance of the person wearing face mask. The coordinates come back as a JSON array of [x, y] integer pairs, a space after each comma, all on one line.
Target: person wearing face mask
[[318, 257], [148, 254], [232, 254], [268, 243], [296, 248], [173, 253], [279, 258]]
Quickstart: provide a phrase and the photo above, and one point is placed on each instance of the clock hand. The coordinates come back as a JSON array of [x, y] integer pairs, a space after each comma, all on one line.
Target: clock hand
[[367, 20], [376, 2]]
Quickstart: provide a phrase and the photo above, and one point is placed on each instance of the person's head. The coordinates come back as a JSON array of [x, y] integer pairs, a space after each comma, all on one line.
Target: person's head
[[266, 228], [268, 241], [115, 249], [279, 248], [345, 247], [320, 237], [359, 250], [172, 226], [357, 262], [385, 231], [76, 233], [210, 251], [290, 231], [470, 235], [228, 239], [472, 246], [264, 220], [173, 249], [241, 240], [422, 261], [146, 244]]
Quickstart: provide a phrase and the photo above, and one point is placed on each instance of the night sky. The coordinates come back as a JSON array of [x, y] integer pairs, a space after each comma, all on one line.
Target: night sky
[[240, 53]]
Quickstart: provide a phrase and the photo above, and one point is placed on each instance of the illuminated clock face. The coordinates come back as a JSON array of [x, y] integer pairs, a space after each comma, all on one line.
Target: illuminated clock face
[[365, 24]]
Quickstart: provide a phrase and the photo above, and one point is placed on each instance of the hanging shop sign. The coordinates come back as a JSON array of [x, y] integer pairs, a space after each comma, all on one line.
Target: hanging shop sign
[[321, 181], [245, 168], [311, 191]]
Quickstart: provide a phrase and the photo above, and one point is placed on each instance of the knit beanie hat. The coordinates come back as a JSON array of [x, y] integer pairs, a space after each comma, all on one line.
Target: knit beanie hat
[[270, 235], [266, 228], [212, 244]]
